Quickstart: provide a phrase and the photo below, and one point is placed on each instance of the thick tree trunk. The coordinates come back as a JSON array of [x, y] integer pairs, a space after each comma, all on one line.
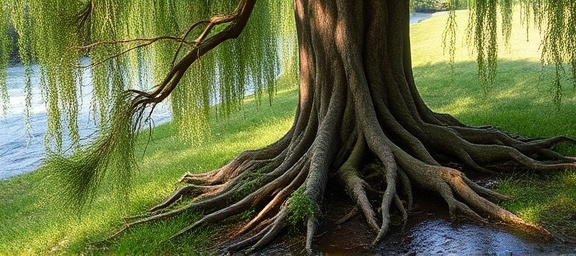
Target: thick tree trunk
[[359, 106]]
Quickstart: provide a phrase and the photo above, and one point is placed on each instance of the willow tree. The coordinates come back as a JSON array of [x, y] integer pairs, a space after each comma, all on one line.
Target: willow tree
[[358, 104]]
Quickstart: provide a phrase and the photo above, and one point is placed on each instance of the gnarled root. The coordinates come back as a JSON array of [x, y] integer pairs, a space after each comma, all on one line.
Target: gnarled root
[[267, 181], [269, 189]]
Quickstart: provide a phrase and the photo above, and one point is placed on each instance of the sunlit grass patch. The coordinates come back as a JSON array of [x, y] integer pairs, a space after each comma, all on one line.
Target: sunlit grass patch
[[547, 201]]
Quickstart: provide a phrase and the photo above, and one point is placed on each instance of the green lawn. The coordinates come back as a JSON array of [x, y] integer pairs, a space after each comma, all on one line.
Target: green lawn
[[520, 102]]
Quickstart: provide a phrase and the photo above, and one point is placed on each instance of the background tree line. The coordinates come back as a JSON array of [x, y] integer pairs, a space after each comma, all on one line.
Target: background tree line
[[436, 5]]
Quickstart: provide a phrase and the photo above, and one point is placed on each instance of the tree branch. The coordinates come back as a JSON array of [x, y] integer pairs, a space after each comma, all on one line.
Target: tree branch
[[203, 44], [146, 40]]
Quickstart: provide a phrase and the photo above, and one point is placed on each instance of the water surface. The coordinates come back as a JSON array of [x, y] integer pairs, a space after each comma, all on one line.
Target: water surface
[[22, 149]]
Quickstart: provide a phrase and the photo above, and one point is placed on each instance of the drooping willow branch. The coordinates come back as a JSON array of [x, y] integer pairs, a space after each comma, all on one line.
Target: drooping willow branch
[[82, 171], [149, 41], [202, 45], [146, 41]]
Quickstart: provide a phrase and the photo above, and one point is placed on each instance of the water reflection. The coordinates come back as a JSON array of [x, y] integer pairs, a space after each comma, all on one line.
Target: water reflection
[[440, 237], [21, 150]]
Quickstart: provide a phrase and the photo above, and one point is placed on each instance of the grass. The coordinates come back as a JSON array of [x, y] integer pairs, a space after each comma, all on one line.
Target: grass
[[32, 223], [547, 200]]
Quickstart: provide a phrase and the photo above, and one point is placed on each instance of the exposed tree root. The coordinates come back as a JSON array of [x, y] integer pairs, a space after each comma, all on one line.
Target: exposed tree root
[[273, 185], [265, 180]]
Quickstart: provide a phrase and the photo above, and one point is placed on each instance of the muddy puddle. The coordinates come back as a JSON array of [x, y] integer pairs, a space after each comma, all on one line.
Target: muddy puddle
[[429, 231]]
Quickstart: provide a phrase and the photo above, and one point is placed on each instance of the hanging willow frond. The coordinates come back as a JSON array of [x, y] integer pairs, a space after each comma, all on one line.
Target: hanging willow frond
[[559, 40], [554, 18], [5, 50], [449, 33], [483, 31], [112, 154]]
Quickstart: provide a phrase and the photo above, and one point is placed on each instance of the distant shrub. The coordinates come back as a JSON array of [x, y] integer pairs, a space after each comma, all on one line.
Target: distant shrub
[[436, 5]]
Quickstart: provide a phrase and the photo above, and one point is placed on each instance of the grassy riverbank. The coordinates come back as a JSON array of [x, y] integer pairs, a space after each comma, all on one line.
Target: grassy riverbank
[[32, 223]]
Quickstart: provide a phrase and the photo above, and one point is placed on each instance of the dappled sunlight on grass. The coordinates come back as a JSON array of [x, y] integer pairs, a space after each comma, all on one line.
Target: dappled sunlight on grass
[[227, 139], [570, 180], [520, 102], [547, 200], [459, 106], [51, 223]]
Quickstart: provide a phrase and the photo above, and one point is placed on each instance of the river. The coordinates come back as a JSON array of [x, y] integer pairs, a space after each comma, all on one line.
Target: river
[[22, 150]]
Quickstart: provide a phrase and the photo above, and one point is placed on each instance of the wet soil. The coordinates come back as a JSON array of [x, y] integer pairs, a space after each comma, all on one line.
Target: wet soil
[[429, 231]]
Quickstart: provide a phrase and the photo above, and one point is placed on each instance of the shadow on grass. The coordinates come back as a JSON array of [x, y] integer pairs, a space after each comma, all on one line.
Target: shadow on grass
[[520, 102]]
